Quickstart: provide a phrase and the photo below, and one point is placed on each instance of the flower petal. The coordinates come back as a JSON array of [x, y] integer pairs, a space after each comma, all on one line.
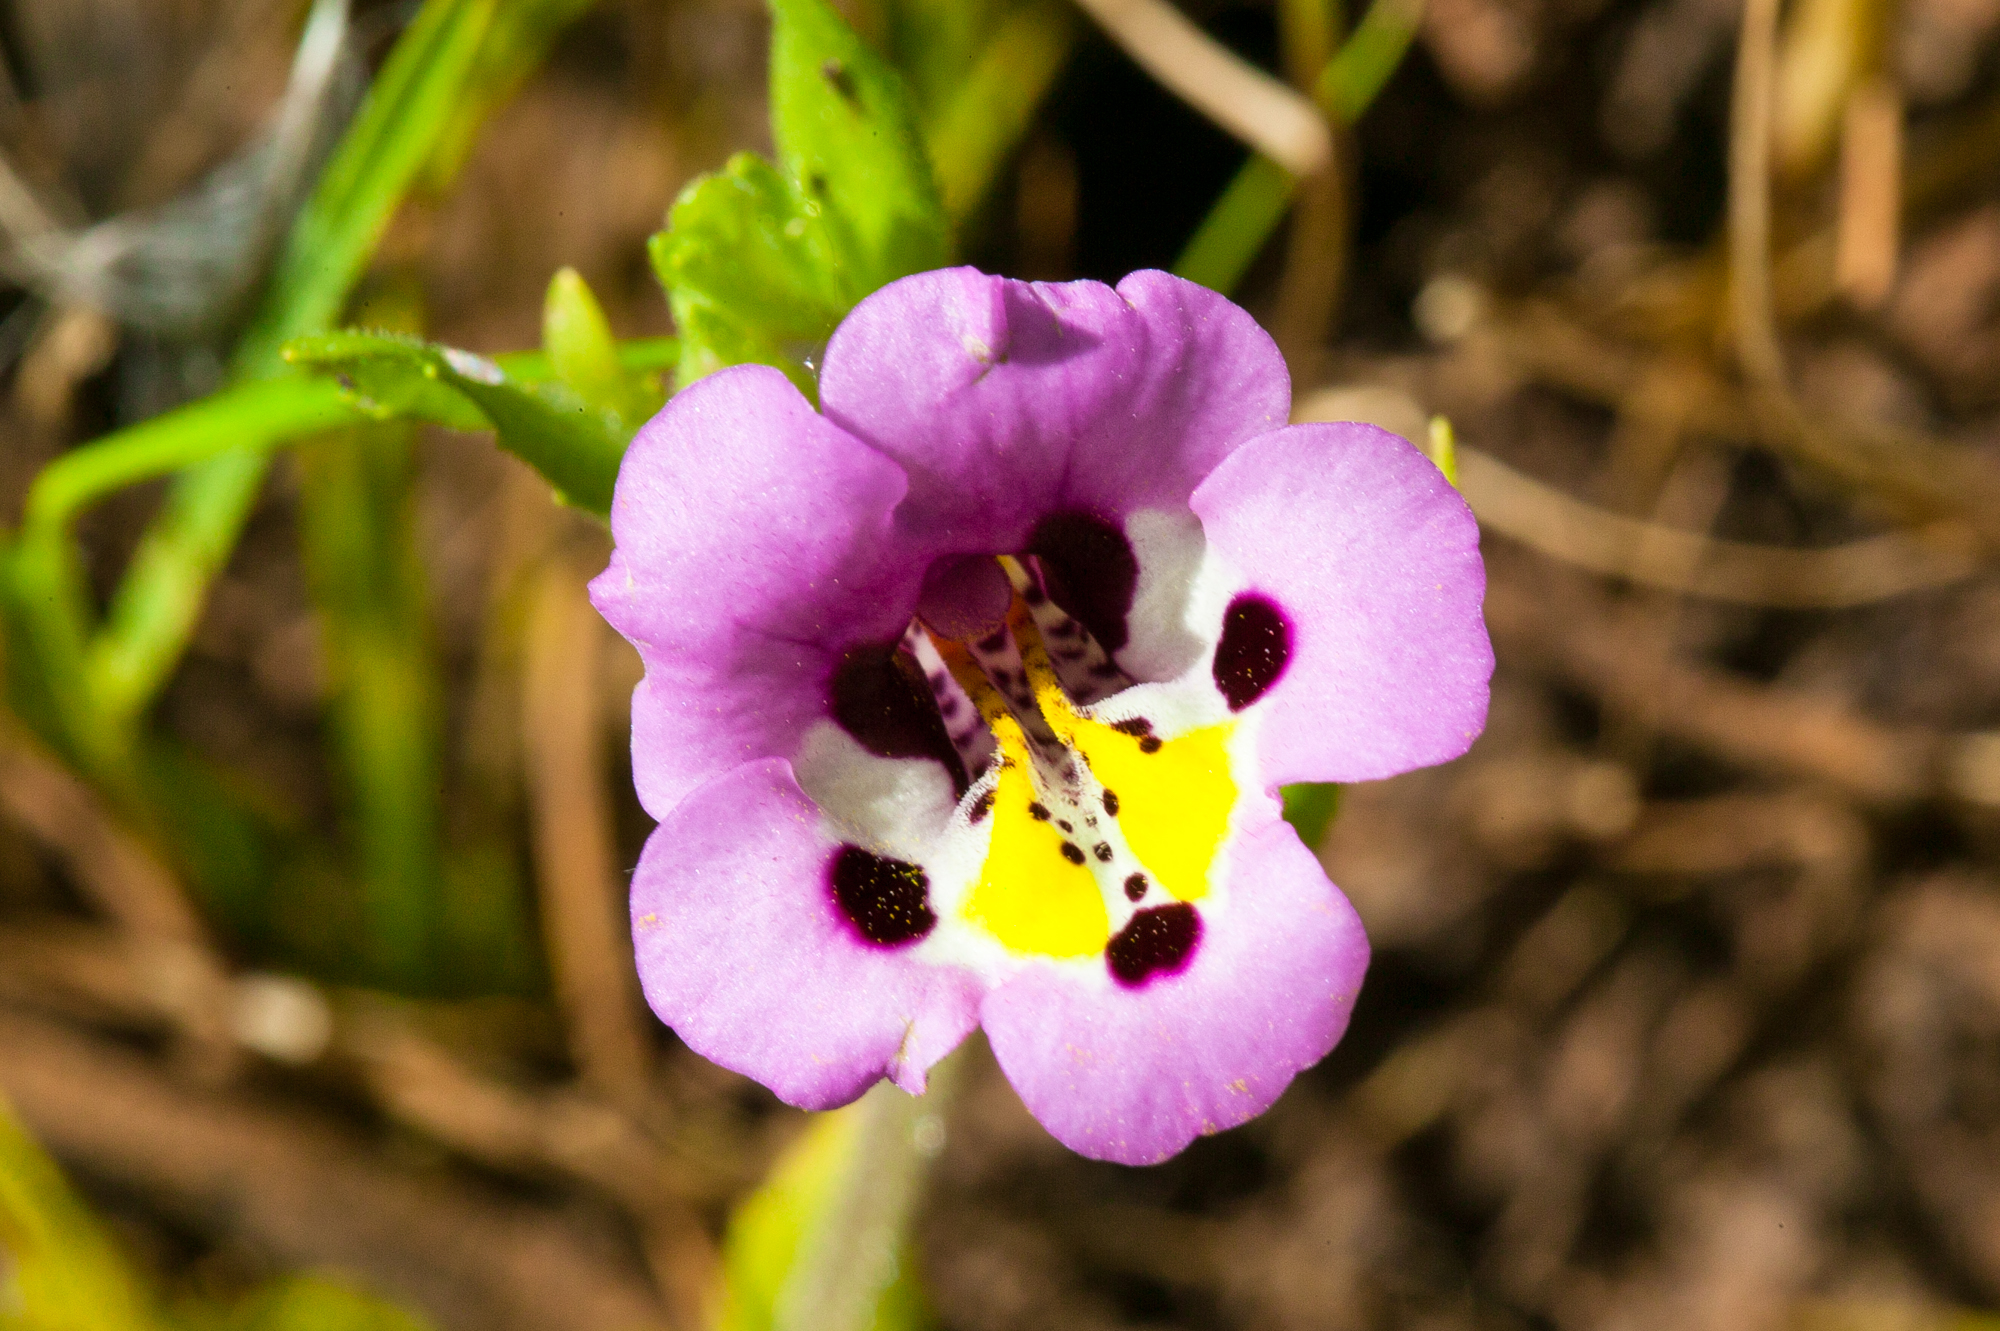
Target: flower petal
[[754, 548], [1378, 659], [745, 949], [1008, 402], [1132, 1072]]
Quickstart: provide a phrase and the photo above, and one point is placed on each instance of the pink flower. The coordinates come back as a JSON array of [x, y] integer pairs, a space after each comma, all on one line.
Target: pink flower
[[968, 698]]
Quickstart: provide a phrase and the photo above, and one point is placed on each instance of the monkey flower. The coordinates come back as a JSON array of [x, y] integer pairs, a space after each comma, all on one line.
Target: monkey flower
[[969, 695]]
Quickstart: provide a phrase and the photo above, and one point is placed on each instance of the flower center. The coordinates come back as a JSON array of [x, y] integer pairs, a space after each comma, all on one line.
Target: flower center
[[1103, 832]]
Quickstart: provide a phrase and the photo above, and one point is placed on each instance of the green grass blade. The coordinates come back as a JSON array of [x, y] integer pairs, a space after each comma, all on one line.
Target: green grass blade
[[408, 107], [1231, 236], [406, 112], [1249, 210], [356, 533], [978, 126]]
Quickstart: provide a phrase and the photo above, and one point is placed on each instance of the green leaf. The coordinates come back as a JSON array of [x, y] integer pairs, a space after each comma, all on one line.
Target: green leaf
[[576, 446], [577, 338], [847, 138], [761, 262], [748, 266], [769, 1230], [934, 43], [1310, 809], [58, 1269], [972, 132], [413, 105], [518, 40], [300, 1303]]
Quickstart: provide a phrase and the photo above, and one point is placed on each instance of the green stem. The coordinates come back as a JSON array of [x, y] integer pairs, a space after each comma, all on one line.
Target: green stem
[[1242, 220], [1231, 236], [854, 1247]]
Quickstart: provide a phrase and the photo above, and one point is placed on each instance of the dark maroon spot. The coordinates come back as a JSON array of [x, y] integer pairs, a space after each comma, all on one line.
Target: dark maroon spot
[[1111, 802], [880, 697], [1137, 725], [1071, 853], [1039, 811], [1070, 654], [981, 807], [1090, 570], [1256, 647], [1034, 595], [993, 641], [1103, 851], [1106, 669], [1135, 887], [1150, 744], [1067, 629], [886, 900], [1063, 823], [948, 708], [1155, 941]]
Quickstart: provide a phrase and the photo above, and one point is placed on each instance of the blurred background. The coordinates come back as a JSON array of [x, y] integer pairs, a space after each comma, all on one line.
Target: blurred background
[[1685, 1008]]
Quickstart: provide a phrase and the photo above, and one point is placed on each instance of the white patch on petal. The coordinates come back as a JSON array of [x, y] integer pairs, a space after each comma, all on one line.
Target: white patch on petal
[[893, 806], [1194, 585], [1170, 548]]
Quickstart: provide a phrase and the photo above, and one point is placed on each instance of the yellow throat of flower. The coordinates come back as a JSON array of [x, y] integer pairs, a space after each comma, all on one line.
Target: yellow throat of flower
[[1092, 820]]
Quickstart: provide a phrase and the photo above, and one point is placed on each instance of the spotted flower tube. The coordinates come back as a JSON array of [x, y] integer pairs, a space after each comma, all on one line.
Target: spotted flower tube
[[968, 697]]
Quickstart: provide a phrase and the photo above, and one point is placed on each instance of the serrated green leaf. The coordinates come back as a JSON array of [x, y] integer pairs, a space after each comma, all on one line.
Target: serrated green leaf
[[576, 446], [847, 137], [760, 262], [748, 267]]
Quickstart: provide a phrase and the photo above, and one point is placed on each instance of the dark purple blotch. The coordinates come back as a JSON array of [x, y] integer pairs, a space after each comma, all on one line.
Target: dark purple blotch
[[886, 900], [1255, 648], [1090, 570], [880, 696], [1156, 941]]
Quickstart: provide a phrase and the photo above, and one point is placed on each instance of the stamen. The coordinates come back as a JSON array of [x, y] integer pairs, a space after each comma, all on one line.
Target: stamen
[[965, 672], [1050, 697], [1086, 670], [962, 722]]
